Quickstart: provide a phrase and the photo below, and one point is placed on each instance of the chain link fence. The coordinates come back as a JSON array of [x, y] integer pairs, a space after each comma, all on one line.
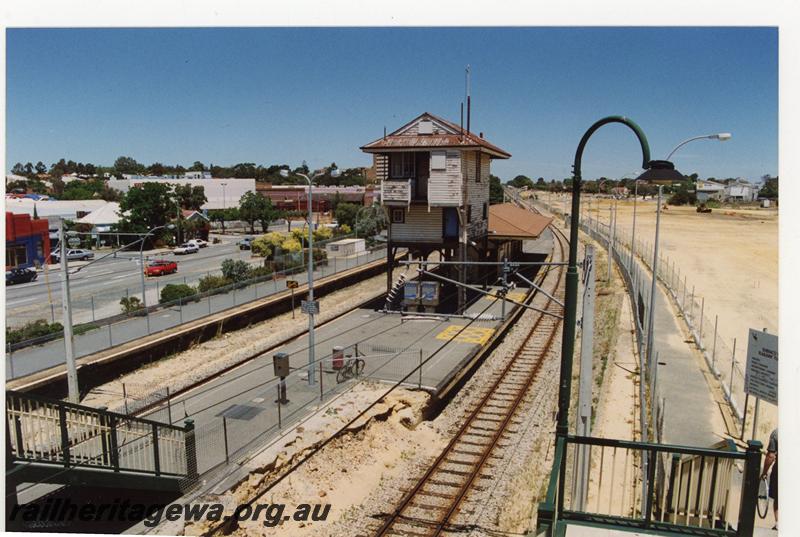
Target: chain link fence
[[702, 324]]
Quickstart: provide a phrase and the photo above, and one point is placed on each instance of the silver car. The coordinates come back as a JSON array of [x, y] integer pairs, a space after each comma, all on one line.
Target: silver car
[[186, 248], [73, 255]]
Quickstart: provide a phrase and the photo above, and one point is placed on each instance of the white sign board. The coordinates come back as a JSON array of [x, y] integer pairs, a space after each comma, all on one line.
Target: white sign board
[[311, 308], [761, 375]]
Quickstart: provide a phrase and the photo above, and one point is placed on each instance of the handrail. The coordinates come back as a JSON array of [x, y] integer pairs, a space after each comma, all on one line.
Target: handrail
[[663, 448], [553, 513], [84, 408]]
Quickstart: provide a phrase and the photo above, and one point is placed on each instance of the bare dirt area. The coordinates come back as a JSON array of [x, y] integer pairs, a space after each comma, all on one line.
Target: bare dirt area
[[379, 447], [730, 257], [210, 357]]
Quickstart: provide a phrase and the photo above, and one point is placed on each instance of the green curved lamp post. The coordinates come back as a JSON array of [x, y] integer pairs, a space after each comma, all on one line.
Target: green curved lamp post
[[571, 291]]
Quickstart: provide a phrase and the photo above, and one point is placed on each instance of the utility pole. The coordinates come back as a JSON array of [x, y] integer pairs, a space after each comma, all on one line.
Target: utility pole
[[66, 309]]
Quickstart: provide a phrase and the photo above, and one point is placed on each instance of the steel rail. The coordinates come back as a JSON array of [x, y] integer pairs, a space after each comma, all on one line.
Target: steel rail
[[441, 524]]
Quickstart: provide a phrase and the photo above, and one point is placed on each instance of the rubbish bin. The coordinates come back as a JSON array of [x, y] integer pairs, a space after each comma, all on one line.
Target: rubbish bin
[[337, 357]]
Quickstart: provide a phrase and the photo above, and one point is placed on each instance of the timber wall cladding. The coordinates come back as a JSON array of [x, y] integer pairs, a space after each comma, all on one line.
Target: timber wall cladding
[[477, 179], [381, 161], [421, 225], [444, 185]]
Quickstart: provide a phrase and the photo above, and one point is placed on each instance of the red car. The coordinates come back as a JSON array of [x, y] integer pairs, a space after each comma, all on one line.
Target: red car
[[160, 267]]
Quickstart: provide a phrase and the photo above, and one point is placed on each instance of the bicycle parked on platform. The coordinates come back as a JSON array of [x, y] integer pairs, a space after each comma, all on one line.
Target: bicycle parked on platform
[[351, 369]]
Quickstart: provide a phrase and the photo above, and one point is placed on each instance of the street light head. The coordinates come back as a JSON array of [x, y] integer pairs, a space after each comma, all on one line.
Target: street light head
[[284, 172], [723, 136], [660, 172], [170, 226]]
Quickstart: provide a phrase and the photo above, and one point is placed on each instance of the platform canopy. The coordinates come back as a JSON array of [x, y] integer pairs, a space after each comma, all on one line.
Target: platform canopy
[[509, 222]]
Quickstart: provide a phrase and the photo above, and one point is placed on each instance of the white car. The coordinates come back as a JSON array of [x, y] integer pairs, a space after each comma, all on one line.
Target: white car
[[200, 243], [186, 248]]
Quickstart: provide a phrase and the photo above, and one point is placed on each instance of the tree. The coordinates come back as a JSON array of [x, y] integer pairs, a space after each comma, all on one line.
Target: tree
[[40, 167], [223, 215], [18, 169], [146, 207], [495, 189], [521, 181], [190, 197], [29, 169], [770, 189], [346, 213], [128, 165], [267, 213], [255, 207], [683, 194], [197, 167], [156, 168]]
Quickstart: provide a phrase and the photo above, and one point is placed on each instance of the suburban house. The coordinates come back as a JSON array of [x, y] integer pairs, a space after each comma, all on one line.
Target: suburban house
[[434, 184]]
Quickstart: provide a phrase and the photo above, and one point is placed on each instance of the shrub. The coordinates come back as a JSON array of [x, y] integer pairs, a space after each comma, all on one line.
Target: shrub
[[300, 235], [265, 245], [260, 272], [172, 292], [682, 197], [320, 255], [323, 233], [235, 271], [130, 304], [209, 283], [31, 330], [344, 229], [291, 245]]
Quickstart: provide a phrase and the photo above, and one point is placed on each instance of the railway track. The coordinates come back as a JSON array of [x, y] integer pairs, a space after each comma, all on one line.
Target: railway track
[[430, 507]]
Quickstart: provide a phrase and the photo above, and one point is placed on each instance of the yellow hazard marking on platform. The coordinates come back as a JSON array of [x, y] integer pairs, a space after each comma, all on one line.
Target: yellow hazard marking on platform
[[516, 296], [472, 334]]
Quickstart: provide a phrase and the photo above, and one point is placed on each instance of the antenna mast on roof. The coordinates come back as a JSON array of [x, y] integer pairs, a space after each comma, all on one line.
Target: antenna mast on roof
[[467, 89]]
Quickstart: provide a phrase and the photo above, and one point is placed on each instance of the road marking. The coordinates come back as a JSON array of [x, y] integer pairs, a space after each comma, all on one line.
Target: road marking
[[472, 334]]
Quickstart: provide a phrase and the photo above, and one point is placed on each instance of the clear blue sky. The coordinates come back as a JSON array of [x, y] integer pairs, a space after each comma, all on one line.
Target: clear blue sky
[[274, 95]]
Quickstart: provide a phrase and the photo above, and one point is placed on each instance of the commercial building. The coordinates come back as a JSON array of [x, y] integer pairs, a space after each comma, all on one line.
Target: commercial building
[[27, 241], [220, 193], [295, 197]]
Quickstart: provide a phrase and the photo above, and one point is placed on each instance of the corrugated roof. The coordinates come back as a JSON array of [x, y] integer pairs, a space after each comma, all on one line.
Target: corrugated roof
[[509, 221], [456, 139]]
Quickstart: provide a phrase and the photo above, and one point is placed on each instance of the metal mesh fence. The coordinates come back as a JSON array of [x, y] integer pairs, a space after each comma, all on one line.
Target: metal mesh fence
[[238, 427], [701, 323]]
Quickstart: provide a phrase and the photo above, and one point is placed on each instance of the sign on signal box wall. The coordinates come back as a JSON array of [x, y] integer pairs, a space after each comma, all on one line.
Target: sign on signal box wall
[[292, 284], [761, 375]]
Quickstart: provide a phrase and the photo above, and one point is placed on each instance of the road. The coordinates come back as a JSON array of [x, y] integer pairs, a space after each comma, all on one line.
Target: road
[[96, 291], [34, 358]]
